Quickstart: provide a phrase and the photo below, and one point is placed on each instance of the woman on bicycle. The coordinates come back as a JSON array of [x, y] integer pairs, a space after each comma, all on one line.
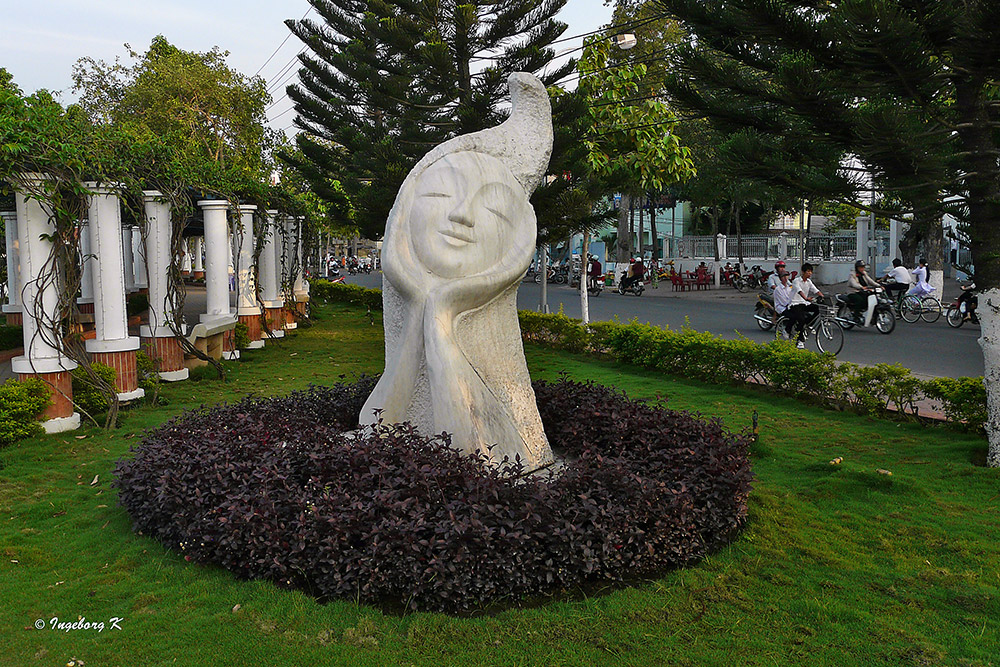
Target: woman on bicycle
[[921, 287]]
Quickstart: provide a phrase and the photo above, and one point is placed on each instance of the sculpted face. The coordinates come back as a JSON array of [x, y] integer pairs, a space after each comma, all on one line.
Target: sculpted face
[[467, 210]]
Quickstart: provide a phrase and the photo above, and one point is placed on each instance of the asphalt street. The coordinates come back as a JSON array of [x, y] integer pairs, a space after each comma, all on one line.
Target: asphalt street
[[926, 349]]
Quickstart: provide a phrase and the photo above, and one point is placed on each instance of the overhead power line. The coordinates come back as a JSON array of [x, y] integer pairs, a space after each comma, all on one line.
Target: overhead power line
[[280, 45]]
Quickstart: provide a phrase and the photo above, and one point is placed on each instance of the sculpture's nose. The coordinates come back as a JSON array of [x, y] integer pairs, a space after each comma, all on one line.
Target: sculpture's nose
[[462, 214]]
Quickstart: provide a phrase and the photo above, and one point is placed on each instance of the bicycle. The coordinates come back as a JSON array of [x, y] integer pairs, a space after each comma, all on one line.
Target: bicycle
[[911, 308], [824, 327]]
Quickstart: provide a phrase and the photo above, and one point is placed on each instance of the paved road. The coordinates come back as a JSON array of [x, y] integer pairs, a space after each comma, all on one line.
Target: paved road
[[927, 349]]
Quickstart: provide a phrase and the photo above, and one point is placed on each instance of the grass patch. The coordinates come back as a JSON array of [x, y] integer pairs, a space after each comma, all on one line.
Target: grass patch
[[839, 566]]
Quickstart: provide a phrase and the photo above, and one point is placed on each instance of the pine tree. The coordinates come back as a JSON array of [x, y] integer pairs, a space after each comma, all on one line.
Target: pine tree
[[908, 87], [383, 82]]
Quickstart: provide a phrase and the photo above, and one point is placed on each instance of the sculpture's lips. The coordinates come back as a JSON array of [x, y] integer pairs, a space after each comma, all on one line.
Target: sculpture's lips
[[458, 236]]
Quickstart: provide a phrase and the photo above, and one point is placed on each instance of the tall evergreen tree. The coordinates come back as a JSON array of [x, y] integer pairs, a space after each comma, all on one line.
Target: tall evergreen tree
[[906, 86], [383, 82]]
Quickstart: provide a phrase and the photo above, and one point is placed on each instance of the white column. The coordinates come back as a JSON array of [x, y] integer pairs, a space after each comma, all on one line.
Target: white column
[[269, 265], [128, 259], [40, 297], [159, 259], [13, 304], [720, 241], [246, 285], [299, 284], [186, 257], [216, 260], [110, 318], [139, 274], [862, 238], [87, 265], [199, 265]]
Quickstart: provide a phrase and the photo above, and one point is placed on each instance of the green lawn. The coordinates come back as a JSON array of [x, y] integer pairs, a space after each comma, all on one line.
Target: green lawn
[[839, 566]]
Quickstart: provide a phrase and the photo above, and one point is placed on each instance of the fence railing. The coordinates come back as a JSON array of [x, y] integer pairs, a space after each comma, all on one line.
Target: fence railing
[[765, 247]]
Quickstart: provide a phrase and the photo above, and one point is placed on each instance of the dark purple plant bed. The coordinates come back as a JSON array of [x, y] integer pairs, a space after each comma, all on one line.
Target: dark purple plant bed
[[279, 489]]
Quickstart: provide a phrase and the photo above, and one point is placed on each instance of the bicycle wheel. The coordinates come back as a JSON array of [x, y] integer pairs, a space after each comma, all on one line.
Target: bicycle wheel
[[909, 309], [954, 317], [930, 309], [829, 336], [740, 284]]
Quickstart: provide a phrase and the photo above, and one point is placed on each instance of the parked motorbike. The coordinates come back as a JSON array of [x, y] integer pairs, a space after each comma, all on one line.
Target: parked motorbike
[[878, 314], [636, 288]]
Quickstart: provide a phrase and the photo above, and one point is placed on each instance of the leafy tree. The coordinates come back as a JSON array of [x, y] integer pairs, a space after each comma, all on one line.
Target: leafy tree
[[381, 83], [630, 139], [906, 88]]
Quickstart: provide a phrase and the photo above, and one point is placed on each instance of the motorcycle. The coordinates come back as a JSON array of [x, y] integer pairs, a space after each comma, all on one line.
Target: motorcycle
[[959, 313], [636, 288], [763, 312], [878, 314]]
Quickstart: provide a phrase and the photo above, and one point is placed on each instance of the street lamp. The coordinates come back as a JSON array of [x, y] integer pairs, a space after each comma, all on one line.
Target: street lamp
[[625, 41]]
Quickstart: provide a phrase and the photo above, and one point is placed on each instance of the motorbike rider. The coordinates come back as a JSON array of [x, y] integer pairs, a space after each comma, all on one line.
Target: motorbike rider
[[862, 284], [775, 278], [593, 272], [802, 309], [969, 298], [636, 271]]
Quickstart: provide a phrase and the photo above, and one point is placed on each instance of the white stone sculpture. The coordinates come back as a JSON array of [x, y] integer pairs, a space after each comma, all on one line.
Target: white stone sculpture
[[458, 239]]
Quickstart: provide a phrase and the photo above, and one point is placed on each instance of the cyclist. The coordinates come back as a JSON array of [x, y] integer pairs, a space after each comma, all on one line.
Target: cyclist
[[802, 309], [862, 284], [901, 275], [921, 287]]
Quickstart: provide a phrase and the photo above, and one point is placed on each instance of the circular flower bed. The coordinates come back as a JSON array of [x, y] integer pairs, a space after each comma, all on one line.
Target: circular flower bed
[[283, 489]]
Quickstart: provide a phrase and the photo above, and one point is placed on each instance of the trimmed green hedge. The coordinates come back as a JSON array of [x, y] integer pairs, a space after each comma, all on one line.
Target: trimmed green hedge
[[881, 390], [871, 390], [324, 290]]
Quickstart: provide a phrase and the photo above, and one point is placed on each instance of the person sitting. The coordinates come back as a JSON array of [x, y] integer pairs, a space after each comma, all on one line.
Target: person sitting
[[967, 302], [636, 271], [775, 278], [920, 287], [802, 309], [593, 272], [782, 296], [899, 277], [862, 284]]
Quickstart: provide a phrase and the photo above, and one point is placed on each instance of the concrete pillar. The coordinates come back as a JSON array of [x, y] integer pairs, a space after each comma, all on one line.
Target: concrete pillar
[[128, 259], [862, 239], [140, 275], [895, 232], [112, 345], [217, 250], [85, 302], [299, 290], [12, 309], [41, 357], [158, 336], [269, 278], [286, 262], [186, 258], [247, 310], [198, 266], [720, 239]]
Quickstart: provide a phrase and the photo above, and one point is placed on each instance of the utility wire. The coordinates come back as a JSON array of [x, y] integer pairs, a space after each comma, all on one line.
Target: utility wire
[[280, 45]]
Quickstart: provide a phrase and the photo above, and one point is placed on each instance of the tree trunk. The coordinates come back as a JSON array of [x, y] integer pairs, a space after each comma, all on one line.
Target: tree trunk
[[631, 230], [739, 235], [639, 236], [713, 218], [652, 231], [584, 303], [623, 241]]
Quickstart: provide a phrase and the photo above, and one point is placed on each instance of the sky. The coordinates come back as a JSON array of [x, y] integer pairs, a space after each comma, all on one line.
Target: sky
[[41, 40]]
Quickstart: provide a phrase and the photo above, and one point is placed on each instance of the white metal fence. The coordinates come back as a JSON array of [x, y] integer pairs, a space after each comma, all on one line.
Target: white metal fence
[[763, 247]]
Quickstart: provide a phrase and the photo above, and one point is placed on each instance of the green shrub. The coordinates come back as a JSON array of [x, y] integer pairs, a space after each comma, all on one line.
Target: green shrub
[[324, 290], [964, 400], [149, 379], [241, 336], [21, 404], [87, 395], [11, 338]]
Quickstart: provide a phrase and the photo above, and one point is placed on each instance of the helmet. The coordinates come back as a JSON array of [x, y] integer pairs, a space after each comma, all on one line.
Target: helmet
[[858, 264], [780, 264]]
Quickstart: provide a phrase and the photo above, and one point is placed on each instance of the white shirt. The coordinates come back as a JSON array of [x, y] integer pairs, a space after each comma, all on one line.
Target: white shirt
[[783, 297], [773, 282], [900, 275], [806, 287]]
